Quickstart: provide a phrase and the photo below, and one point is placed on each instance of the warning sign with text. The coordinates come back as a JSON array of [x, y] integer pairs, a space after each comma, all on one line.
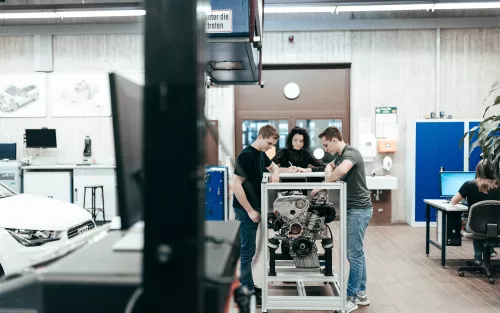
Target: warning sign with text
[[219, 21]]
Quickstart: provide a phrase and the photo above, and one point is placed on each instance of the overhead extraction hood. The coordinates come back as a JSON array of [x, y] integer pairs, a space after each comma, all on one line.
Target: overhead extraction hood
[[234, 51]]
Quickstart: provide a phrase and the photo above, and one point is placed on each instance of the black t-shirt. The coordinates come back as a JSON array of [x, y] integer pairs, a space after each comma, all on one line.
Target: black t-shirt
[[251, 164], [301, 158], [470, 191]]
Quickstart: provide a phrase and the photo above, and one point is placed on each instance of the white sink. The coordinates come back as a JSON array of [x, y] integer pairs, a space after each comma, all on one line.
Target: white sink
[[382, 182]]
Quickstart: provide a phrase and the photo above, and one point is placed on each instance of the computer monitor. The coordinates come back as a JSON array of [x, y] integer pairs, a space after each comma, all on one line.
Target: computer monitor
[[127, 115], [452, 181], [8, 151], [41, 138]]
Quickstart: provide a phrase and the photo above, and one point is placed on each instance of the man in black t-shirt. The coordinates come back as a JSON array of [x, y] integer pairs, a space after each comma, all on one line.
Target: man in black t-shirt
[[248, 174]]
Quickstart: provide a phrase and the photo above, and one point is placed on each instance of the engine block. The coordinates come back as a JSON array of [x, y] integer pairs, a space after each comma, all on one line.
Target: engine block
[[299, 223]]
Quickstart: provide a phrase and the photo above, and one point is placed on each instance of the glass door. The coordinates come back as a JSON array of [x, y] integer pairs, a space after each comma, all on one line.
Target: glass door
[[314, 127]]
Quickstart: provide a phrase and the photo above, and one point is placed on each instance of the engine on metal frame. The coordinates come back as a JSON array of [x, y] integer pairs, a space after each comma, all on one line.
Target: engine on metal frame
[[299, 222]]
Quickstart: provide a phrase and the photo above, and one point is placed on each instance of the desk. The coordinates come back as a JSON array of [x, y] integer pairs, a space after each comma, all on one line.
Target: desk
[[447, 210]]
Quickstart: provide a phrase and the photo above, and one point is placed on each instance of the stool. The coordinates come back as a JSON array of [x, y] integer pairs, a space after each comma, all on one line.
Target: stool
[[93, 209]]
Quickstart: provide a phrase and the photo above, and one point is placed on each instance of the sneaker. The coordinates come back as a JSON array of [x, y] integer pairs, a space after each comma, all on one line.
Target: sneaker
[[362, 299], [258, 291], [351, 304], [258, 299]]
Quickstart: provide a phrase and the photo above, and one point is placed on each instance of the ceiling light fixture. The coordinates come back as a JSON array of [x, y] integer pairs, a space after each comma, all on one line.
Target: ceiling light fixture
[[382, 7], [57, 14], [390, 7], [71, 14], [299, 9], [27, 15], [466, 5], [102, 13]]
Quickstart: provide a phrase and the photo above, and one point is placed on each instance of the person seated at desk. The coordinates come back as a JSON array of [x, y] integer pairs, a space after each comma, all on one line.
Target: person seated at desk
[[296, 156], [484, 187]]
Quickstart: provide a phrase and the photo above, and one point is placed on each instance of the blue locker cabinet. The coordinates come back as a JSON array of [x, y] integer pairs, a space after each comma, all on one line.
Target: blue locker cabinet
[[216, 180], [437, 145]]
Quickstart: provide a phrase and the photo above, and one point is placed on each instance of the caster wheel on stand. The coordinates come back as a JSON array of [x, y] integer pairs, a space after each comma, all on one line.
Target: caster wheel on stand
[[491, 281], [461, 274]]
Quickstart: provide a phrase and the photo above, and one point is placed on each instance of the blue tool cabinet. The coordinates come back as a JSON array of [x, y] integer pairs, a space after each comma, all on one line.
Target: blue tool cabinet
[[216, 194], [432, 145]]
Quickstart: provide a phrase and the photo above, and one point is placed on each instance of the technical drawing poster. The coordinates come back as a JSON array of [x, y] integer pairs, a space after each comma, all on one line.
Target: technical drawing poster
[[80, 95], [23, 95]]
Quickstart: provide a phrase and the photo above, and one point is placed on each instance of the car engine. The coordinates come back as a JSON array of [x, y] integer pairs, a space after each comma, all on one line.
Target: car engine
[[299, 222]]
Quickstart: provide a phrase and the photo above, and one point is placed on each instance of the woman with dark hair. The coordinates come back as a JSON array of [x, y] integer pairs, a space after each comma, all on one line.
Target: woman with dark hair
[[484, 187], [296, 156]]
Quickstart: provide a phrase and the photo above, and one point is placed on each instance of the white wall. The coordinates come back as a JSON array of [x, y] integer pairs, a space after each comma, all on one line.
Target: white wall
[[89, 53], [220, 106], [409, 69], [71, 54], [399, 68]]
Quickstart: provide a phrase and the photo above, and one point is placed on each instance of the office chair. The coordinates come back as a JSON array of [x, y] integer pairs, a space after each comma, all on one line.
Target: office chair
[[484, 224]]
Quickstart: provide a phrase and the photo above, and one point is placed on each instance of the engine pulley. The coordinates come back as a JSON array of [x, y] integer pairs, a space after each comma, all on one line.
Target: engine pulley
[[302, 246]]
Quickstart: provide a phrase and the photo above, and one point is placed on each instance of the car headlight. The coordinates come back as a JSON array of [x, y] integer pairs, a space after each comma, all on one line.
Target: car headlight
[[33, 238]]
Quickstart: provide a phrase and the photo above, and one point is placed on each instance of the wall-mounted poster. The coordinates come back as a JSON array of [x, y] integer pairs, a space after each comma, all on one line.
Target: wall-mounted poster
[[386, 121], [79, 95], [23, 95]]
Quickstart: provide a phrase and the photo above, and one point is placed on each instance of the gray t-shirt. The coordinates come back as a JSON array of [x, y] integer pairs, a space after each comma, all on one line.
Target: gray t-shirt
[[358, 195]]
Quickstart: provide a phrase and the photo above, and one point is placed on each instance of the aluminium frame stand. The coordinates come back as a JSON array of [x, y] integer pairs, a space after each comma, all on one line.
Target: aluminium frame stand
[[286, 270]]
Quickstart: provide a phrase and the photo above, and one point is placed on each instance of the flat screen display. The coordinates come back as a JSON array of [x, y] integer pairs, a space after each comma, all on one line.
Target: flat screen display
[[8, 151], [127, 109], [41, 138], [452, 181]]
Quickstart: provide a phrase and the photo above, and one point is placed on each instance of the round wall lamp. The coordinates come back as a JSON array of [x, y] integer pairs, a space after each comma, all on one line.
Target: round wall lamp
[[319, 153], [292, 91]]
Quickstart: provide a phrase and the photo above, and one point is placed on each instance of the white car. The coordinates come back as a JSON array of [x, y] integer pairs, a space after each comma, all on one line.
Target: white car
[[34, 229]]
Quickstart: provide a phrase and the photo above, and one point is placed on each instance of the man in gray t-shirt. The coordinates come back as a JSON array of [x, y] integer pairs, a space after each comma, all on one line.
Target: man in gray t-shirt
[[350, 168]]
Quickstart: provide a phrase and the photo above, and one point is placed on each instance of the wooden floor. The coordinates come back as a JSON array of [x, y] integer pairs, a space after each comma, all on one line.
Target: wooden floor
[[401, 278]]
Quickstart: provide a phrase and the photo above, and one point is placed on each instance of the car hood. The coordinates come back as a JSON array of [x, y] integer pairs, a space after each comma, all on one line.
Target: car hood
[[40, 213]]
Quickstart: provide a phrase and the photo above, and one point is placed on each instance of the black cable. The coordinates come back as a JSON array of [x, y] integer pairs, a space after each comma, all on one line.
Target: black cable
[[331, 235], [133, 300]]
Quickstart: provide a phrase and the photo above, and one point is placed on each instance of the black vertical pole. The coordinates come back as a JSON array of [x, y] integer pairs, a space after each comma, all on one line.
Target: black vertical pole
[[443, 237], [427, 227], [173, 263]]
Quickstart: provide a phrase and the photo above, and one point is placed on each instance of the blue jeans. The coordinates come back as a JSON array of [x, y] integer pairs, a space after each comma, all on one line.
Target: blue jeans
[[478, 246], [248, 238], [357, 222]]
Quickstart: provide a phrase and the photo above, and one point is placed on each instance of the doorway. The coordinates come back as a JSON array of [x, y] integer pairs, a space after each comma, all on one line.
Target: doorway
[[320, 98]]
